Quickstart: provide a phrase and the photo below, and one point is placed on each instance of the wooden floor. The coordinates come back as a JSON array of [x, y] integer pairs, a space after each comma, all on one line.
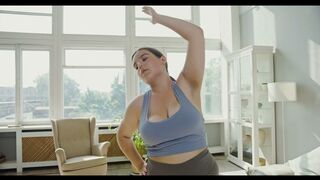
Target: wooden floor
[[124, 168]]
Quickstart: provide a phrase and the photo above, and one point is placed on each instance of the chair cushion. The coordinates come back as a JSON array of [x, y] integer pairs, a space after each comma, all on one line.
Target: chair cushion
[[83, 162], [307, 164]]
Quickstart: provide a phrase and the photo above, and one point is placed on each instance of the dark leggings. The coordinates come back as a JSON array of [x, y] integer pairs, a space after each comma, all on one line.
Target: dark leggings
[[202, 164]]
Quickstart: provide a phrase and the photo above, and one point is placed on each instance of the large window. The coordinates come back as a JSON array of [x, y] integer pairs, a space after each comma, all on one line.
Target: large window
[[71, 61]]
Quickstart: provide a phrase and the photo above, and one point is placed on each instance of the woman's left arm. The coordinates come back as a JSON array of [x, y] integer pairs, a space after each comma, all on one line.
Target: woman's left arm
[[193, 69]]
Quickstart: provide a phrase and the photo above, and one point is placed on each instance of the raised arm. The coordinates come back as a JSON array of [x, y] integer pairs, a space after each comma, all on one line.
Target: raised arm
[[193, 69]]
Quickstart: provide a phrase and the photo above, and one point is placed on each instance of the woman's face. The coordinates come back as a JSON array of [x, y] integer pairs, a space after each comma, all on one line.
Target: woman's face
[[147, 64]]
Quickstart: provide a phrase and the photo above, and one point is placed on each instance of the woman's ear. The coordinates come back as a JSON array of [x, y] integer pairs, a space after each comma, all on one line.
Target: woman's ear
[[163, 59]]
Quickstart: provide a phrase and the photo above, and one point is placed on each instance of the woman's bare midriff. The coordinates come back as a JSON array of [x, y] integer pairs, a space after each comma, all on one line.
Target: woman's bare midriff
[[177, 158]]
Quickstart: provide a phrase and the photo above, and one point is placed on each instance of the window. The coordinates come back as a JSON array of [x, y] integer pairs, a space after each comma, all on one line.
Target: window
[[211, 26], [35, 80], [76, 61], [94, 20], [26, 19], [94, 84], [7, 86], [211, 86], [176, 61]]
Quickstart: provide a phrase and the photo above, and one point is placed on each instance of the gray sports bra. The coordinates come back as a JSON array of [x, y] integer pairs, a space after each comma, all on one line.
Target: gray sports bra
[[184, 131]]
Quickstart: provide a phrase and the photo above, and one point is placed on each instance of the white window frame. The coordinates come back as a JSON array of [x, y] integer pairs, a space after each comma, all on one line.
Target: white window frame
[[57, 42], [34, 48]]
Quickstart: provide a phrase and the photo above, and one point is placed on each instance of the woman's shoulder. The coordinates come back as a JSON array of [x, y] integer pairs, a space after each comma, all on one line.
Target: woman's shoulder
[[133, 110], [136, 103]]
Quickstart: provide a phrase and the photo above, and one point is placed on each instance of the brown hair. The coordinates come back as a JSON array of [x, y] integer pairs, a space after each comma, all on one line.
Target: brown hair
[[155, 52]]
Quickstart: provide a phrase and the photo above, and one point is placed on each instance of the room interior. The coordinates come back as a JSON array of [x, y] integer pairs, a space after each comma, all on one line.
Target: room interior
[[260, 95]]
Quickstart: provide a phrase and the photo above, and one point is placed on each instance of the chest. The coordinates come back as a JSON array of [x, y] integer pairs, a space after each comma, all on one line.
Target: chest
[[163, 107]]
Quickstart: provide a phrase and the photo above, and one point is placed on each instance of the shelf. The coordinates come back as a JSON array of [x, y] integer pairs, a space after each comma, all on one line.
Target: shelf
[[8, 129], [11, 164], [216, 149], [264, 125], [246, 124], [213, 121]]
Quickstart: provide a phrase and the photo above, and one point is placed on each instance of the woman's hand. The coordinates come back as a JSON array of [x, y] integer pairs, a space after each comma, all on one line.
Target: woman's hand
[[150, 11], [143, 170]]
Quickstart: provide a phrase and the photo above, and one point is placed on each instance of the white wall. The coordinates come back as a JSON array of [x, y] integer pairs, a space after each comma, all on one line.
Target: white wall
[[295, 32]]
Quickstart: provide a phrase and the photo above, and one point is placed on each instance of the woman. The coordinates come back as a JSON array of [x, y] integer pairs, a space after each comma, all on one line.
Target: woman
[[169, 116]]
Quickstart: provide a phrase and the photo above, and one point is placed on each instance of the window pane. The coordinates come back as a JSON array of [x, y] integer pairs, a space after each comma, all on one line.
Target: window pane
[[25, 23], [143, 87], [209, 21], [95, 20], [176, 62], [7, 85], [35, 68], [94, 92], [146, 28], [95, 58], [211, 86], [35, 9]]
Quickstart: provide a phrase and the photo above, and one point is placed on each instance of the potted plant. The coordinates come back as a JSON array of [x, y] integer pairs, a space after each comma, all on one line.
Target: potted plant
[[139, 144]]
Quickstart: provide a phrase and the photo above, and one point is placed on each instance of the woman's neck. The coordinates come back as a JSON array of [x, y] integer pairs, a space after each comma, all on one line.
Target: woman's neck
[[161, 84]]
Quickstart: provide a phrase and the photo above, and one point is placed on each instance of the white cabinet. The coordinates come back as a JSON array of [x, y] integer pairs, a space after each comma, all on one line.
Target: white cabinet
[[9, 143], [251, 121]]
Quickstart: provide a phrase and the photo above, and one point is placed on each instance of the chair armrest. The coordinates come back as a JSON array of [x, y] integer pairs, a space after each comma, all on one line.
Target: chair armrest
[[101, 149], [61, 155], [275, 169]]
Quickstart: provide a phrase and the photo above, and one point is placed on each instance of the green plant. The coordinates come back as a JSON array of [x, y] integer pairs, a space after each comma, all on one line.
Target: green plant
[[139, 144]]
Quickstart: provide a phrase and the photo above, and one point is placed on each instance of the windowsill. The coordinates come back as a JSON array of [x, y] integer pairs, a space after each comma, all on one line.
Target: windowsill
[[215, 120], [108, 124], [99, 125]]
